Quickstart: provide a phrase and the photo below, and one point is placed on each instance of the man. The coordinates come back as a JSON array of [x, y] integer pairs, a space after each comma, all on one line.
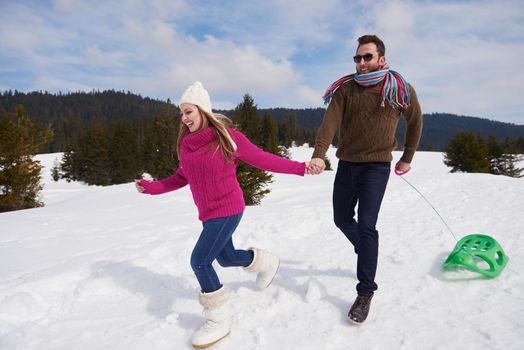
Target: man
[[366, 107]]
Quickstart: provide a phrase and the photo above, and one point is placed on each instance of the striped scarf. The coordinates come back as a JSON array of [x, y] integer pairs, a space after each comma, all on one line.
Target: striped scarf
[[395, 90]]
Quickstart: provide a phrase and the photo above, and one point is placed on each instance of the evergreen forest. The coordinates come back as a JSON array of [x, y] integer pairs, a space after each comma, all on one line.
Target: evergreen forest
[[112, 137]]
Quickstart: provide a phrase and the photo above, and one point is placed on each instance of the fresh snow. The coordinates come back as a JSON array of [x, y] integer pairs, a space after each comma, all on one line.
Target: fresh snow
[[108, 268]]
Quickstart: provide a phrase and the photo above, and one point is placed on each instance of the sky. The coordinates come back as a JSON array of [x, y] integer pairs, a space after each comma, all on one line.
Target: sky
[[462, 57]]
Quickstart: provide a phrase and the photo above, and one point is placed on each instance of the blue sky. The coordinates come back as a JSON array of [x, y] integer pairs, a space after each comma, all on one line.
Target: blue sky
[[462, 57]]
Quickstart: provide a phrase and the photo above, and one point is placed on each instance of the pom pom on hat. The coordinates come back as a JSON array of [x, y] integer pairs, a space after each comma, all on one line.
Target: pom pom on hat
[[197, 95]]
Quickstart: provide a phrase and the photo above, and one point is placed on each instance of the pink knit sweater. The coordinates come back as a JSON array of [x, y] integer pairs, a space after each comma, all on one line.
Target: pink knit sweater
[[212, 180]]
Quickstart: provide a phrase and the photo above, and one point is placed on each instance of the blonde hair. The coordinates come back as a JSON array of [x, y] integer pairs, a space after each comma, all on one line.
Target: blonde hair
[[220, 122]]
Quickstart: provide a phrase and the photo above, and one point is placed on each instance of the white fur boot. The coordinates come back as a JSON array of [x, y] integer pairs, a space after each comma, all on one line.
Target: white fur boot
[[265, 265], [217, 314]]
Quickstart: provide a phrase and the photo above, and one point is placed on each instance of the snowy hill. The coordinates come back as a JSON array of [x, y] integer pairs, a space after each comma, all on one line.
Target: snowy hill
[[108, 268]]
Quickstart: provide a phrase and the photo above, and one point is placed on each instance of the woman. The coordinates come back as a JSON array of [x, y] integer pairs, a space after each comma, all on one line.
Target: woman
[[208, 150]]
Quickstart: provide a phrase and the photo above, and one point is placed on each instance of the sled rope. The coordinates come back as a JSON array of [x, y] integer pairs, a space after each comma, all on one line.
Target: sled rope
[[432, 207]]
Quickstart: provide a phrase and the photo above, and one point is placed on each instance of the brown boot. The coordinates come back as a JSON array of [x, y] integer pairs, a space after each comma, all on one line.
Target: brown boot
[[360, 309]]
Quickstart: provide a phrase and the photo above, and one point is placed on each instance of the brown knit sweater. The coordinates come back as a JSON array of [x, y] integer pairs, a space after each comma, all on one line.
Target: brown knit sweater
[[367, 130]]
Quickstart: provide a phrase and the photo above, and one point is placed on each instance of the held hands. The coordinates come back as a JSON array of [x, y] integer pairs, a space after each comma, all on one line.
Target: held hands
[[315, 166]]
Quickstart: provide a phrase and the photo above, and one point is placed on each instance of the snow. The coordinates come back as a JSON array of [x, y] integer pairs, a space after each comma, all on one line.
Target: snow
[[108, 268]]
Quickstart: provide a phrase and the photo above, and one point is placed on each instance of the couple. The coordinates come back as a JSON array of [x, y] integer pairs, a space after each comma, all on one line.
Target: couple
[[365, 106]]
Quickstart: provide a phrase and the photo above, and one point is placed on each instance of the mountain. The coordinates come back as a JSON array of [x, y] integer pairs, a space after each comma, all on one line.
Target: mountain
[[438, 129], [69, 111]]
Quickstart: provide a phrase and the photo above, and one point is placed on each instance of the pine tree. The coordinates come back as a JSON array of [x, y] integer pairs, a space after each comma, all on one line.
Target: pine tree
[[96, 164], [284, 152], [159, 151], [125, 163], [71, 165], [245, 115], [495, 156], [55, 171], [287, 131], [519, 144], [269, 134], [511, 158], [19, 173], [296, 132], [310, 137], [467, 152], [253, 181], [328, 164]]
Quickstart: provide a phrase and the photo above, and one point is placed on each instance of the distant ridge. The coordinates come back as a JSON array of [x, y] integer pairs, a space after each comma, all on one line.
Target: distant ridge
[[62, 109]]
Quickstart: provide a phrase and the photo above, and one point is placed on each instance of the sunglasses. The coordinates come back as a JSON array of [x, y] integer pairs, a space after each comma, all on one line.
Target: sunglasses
[[367, 57]]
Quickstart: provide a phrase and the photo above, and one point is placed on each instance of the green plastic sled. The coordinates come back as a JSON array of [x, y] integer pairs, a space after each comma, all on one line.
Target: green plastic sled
[[474, 249]]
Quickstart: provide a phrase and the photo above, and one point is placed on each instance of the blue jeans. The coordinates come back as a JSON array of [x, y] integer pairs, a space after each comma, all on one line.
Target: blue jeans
[[364, 183], [215, 242]]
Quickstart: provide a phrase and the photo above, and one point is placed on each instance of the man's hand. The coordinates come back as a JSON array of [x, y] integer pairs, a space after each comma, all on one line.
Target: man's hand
[[316, 166], [402, 167]]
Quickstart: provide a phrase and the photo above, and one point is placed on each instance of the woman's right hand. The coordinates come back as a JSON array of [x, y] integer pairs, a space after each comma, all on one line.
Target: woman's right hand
[[138, 187]]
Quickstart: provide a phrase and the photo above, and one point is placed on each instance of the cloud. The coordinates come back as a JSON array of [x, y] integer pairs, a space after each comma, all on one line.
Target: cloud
[[96, 57], [461, 56], [140, 50], [452, 52], [52, 83], [224, 67]]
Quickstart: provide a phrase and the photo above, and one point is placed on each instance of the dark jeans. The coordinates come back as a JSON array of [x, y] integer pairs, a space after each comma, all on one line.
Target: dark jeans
[[364, 183], [215, 243]]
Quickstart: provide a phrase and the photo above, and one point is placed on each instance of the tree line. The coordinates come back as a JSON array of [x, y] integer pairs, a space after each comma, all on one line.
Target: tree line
[[113, 148], [472, 153], [107, 151], [65, 112]]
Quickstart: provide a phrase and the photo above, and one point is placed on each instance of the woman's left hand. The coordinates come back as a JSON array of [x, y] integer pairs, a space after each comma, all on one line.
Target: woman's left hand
[[138, 187]]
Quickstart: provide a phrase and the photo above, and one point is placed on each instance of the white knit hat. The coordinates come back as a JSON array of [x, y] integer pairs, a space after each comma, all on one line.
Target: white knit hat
[[197, 95]]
